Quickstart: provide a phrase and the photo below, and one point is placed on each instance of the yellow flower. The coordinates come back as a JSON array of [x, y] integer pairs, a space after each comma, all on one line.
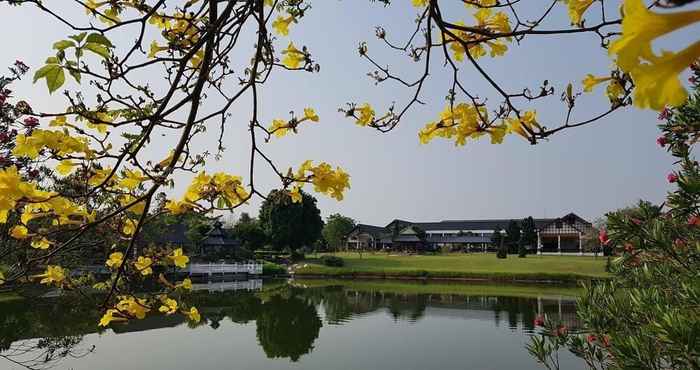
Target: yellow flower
[[179, 259], [159, 21], [279, 127], [293, 57], [53, 274], [281, 25], [42, 243], [527, 120], [657, 84], [26, 146], [108, 317], [576, 10], [497, 133], [366, 115], [419, 3], [169, 306], [143, 264], [155, 49], [19, 232], [186, 284], [65, 167], [310, 114], [115, 260], [614, 91], [591, 81], [132, 179], [640, 27], [295, 194], [135, 307], [193, 315], [175, 207], [129, 227]]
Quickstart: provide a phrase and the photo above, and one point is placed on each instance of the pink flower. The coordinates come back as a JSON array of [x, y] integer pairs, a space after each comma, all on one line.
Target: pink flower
[[672, 177], [603, 237], [665, 114], [636, 221], [539, 320], [694, 221], [591, 338], [662, 141], [31, 122]]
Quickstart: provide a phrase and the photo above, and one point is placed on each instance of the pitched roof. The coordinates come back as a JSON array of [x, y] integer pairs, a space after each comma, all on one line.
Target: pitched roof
[[375, 231]]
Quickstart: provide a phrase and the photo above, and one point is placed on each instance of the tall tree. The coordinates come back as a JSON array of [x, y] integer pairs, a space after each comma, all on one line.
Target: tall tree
[[336, 229], [290, 224], [528, 237], [250, 232], [512, 236]]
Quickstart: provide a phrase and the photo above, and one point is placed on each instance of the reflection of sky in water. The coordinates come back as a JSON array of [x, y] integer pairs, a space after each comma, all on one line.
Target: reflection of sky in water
[[360, 331]]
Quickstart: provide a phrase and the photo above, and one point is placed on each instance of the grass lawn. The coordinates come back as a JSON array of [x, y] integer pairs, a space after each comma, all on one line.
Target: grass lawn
[[460, 265], [458, 288]]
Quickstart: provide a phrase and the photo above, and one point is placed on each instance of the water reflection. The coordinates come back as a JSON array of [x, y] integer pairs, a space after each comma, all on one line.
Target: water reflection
[[288, 319]]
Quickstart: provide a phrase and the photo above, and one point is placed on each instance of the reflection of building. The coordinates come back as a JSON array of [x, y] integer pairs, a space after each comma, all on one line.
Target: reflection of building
[[555, 235]]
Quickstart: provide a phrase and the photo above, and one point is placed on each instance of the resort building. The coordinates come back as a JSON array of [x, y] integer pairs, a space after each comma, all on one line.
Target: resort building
[[554, 235]]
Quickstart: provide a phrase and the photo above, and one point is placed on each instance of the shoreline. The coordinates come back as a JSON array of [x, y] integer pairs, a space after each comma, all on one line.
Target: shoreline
[[458, 278]]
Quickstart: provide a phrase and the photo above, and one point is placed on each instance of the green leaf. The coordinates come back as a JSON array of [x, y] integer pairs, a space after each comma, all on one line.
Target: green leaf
[[54, 75], [63, 44], [76, 74], [79, 37], [51, 60], [97, 38], [98, 49]]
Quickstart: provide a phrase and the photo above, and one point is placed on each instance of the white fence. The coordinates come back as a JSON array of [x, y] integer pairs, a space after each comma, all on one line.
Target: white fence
[[252, 268], [255, 284]]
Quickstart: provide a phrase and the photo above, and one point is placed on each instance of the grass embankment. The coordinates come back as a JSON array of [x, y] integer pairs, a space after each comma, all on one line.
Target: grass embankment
[[458, 288], [459, 266]]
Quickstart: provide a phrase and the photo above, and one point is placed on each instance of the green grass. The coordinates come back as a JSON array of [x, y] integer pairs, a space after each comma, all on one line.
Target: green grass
[[461, 266], [414, 287]]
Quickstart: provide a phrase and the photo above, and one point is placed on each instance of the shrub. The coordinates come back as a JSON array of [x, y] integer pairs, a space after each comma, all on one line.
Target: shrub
[[270, 269], [502, 252], [522, 251], [333, 261], [297, 256]]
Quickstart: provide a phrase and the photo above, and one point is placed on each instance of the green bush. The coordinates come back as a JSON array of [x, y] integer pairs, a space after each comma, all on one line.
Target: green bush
[[333, 261], [270, 268]]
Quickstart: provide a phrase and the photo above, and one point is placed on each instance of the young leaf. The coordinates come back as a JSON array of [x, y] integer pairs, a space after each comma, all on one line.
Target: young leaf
[[54, 75], [97, 38], [98, 49], [75, 73], [79, 37], [63, 44]]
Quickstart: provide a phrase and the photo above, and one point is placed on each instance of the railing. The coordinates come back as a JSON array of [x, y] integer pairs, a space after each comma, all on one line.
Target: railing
[[255, 284], [253, 268]]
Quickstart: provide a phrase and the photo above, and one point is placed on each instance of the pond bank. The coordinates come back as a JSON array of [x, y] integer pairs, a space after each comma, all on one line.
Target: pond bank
[[458, 268]]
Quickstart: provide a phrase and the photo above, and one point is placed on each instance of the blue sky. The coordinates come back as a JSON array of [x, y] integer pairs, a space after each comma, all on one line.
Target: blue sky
[[589, 170]]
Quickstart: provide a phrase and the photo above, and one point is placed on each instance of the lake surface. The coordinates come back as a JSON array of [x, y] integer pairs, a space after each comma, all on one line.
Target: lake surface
[[312, 325]]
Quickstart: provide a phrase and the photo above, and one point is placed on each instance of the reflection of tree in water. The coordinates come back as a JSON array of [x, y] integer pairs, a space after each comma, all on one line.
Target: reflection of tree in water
[[287, 327], [406, 306], [59, 325]]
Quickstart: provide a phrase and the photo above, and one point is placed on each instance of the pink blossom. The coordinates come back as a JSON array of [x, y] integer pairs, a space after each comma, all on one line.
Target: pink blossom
[[672, 177], [694, 221], [31, 122], [662, 141], [603, 237]]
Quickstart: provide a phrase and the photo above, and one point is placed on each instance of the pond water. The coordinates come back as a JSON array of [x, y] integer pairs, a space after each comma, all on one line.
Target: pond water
[[311, 325]]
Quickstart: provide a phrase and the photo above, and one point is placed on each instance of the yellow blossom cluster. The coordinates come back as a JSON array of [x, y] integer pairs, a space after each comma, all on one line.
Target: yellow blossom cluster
[[488, 23], [221, 189], [61, 143], [325, 179], [656, 77], [280, 127], [464, 121]]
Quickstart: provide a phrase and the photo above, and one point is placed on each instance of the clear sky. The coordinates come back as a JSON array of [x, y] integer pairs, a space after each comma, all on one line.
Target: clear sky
[[589, 170]]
